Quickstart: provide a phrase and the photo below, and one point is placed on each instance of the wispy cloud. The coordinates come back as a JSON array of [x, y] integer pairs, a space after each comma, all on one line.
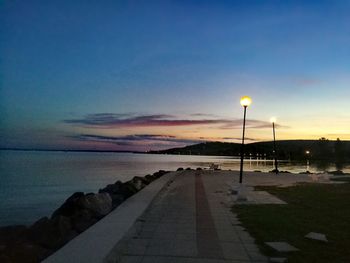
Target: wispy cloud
[[137, 141], [112, 120], [148, 140], [131, 139], [203, 115]]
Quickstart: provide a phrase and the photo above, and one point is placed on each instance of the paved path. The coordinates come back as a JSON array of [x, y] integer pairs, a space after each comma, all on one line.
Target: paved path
[[190, 221]]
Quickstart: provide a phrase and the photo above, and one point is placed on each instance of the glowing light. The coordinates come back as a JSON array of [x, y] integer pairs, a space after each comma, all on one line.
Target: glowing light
[[307, 152], [246, 101], [273, 119]]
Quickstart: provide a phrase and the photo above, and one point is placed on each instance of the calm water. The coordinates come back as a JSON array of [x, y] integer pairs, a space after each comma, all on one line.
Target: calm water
[[33, 184]]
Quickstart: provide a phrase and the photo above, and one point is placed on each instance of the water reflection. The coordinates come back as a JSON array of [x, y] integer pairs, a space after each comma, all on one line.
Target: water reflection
[[266, 165]]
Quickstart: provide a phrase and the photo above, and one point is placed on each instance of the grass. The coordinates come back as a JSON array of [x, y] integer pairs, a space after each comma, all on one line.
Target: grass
[[311, 208]]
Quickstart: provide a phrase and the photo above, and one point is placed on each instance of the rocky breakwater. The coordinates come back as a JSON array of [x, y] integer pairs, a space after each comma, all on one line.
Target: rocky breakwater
[[75, 215]]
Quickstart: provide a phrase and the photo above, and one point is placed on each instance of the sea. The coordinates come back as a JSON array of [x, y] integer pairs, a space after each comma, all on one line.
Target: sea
[[33, 184]]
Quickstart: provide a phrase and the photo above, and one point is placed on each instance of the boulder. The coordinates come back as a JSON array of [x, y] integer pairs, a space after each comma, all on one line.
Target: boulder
[[139, 182], [117, 191], [180, 169], [150, 178], [82, 220], [129, 188], [51, 233], [99, 204], [159, 173], [112, 188], [70, 206]]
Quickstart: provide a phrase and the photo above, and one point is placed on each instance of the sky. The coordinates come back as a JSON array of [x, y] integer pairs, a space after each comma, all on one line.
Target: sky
[[148, 75]]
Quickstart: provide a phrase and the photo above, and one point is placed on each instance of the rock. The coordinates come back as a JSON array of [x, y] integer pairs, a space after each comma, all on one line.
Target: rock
[[99, 204], [180, 169], [159, 173], [118, 192], [129, 189], [139, 182], [317, 236], [199, 169], [82, 220], [188, 169], [84, 210], [70, 206], [112, 189], [51, 233], [150, 178]]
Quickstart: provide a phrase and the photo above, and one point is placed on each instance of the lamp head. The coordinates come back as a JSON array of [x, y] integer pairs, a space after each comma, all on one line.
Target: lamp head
[[246, 101], [307, 152], [273, 119]]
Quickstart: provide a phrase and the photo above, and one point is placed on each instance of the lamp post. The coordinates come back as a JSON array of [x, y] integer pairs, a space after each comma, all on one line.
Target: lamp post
[[307, 152], [273, 120], [245, 102]]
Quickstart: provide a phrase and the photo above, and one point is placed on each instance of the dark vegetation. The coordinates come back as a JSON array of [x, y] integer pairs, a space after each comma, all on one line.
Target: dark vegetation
[[321, 208], [322, 149]]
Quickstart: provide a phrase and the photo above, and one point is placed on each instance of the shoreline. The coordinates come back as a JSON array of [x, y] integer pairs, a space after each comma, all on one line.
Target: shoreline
[[81, 211], [78, 213]]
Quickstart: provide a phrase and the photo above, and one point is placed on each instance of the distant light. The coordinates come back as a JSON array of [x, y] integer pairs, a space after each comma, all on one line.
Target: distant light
[[307, 152], [273, 120], [246, 101]]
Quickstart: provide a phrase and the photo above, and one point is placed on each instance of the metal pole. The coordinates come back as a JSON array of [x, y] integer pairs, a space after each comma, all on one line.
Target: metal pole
[[274, 147], [242, 148]]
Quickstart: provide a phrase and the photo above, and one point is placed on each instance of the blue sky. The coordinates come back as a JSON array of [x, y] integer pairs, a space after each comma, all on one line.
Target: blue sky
[[65, 62]]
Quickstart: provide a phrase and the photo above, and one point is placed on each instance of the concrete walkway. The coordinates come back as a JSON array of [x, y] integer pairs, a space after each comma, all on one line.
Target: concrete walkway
[[98, 243], [190, 221]]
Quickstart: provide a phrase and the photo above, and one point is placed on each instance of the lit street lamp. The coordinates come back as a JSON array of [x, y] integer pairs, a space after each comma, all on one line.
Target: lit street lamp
[[307, 152], [273, 120], [245, 102]]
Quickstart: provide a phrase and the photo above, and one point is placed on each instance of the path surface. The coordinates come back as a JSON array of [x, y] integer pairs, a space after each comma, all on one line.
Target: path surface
[[190, 221]]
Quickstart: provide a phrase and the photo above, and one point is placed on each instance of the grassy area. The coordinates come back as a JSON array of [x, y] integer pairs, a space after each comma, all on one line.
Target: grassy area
[[311, 208]]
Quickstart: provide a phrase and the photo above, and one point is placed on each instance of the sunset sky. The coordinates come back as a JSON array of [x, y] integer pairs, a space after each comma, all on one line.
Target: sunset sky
[[141, 75]]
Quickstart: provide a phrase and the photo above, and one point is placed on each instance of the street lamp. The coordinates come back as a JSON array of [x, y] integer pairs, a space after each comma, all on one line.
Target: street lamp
[[307, 152], [273, 120], [245, 102]]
